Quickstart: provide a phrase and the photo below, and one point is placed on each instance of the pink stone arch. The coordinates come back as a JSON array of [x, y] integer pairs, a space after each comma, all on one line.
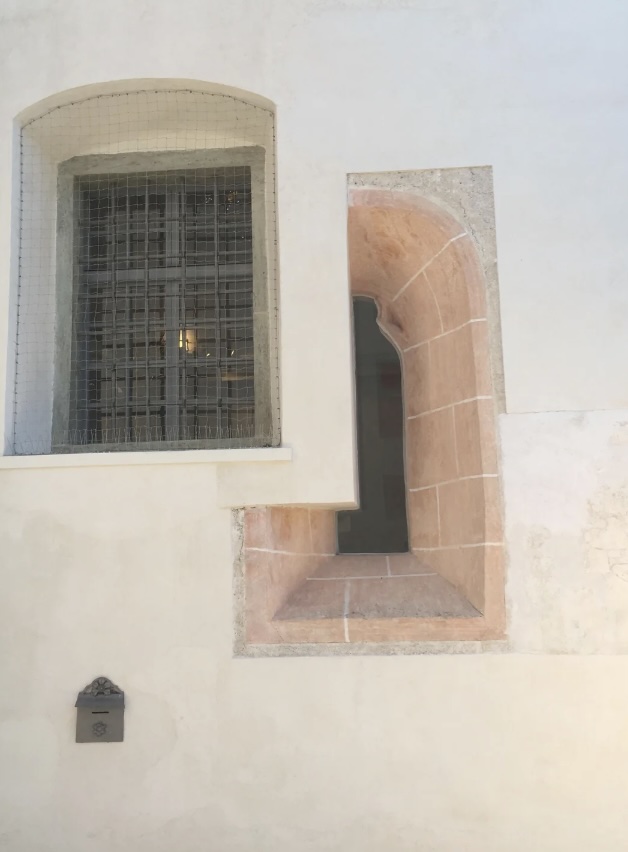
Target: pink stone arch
[[422, 268]]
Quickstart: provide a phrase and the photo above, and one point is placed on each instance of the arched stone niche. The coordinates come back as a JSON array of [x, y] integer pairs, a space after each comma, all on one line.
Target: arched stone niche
[[422, 267]]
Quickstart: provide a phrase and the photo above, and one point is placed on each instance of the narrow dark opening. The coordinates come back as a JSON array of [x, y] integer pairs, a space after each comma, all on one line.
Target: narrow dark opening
[[380, 525]]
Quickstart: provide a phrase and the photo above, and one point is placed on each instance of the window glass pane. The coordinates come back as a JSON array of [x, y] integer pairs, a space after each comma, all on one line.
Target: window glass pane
[[380, 524]]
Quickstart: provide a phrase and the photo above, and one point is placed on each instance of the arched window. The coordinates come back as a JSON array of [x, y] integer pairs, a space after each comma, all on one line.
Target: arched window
[[146, 272], [380, 525]]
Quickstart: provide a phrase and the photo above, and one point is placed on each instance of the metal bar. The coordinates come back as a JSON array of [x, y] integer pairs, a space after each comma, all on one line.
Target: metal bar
[[146, 323], [226, 321], [219, 345], [157, 274], [80, 369], [160, 362], [127, 356], [182, 253], [114, 328], [173, 327]]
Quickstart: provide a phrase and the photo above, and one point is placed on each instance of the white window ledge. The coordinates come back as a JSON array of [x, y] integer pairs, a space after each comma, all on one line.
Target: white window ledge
[[158, 457]]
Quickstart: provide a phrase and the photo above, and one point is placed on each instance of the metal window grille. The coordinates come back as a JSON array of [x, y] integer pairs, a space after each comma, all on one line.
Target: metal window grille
[[163, 346], [145, 311]]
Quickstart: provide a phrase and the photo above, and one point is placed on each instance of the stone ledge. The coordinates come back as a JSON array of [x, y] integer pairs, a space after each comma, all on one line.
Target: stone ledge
[[153, 457], [386, 586], [295, 590]]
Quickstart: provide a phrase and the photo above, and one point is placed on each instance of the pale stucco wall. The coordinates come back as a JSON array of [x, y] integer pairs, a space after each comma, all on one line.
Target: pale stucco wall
[[483, 752], [103, 572]]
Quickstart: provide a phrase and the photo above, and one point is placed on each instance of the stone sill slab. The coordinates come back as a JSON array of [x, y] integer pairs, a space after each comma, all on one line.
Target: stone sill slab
[[125, 459], [371, 586], [376, 598]]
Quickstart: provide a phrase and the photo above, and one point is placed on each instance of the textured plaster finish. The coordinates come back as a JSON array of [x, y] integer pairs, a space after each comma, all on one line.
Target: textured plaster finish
[[566, 492]]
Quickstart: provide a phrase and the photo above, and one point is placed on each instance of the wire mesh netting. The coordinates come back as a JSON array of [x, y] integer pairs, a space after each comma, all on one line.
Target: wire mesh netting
[[145, 310]]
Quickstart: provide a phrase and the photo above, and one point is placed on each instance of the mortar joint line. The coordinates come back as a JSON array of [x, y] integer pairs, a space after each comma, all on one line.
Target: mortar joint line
[[431, 289], [438, 514], [453, 481], [428, 263], [372, 577], [288, 552], [473, 321], [453, 426], [444, 407], [461, 546]]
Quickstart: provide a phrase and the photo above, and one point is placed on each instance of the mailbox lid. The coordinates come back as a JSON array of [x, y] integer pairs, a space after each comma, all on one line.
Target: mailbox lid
[[101, 702]]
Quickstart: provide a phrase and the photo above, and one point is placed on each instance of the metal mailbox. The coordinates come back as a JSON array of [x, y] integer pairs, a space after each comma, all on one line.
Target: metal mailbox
[[100, 713]]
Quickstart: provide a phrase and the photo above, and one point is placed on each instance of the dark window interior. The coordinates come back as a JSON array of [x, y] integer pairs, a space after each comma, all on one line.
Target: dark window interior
[[163, 343], [380, 524]]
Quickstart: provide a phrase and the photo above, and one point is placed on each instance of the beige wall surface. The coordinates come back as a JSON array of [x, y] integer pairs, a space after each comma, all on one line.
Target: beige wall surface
[[126, 570], [566, 493], [476, 752]]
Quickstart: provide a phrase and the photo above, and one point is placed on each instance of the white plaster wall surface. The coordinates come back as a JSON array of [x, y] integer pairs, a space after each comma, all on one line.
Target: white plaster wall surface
[[443, 753], [566, 493], [127, 571]]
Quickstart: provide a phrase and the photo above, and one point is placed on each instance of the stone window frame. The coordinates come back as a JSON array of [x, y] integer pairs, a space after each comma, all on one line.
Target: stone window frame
[[66, 271], [293, 593]]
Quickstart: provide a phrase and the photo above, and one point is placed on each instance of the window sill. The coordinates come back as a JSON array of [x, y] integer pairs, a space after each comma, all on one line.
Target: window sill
[[158, 457], [374, 586], [293, 590], [376, 598]]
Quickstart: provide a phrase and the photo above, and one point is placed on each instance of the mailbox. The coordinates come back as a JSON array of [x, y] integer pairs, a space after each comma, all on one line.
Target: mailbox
[[100, 713]]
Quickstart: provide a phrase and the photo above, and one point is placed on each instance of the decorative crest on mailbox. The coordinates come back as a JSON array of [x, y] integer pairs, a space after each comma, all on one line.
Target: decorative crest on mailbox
[[101, 686]]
